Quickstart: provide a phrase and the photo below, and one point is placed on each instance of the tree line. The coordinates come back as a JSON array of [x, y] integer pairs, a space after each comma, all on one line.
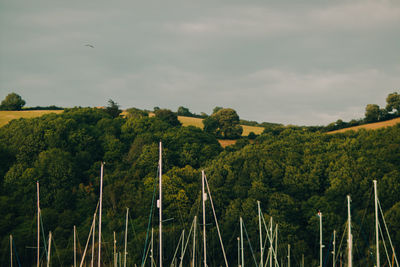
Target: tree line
[[294, 172]]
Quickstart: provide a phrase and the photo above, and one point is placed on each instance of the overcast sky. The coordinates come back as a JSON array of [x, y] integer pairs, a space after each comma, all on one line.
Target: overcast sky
[[308, 63]]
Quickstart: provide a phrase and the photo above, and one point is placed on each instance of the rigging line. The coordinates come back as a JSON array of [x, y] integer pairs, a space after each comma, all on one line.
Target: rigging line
[[216, 221], [16, 254], [131, 224], [248, 240], [365, 213], [176, 250], [387, 232], [328, 251], [55, 248], [341, 242], [384, 245], [187, 242], [44, 237], [150, 216]]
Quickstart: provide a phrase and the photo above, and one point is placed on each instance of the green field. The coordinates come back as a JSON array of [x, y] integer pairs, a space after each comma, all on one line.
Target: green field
[[6, 116]]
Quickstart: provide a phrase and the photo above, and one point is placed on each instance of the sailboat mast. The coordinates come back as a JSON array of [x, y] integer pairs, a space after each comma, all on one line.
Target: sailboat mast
[[204, 197], [260, 230], [378, 264], [126, 236], [238, 250], [93, 237], [241, 240], [270, 243], [11, 251], [350, 238], [160, 201], [320, 238], [151, 252], [48, 251], [74, 246], [115, 251], [38, 225], [334, 248], [101, 201], [276, 245], [194, 240]]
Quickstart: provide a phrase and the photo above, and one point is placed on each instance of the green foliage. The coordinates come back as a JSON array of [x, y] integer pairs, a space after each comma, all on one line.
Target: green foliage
[[293, 171], [224, 123], [393, 102], [168, 116], [182, 111], [12, 101], [113, 108], [136, 113], [372, 113]]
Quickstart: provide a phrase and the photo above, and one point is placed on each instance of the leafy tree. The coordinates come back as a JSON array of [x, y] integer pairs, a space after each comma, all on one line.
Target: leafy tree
[[113, 109], [167, 116], [182, 111], [216, 109], [224, 123], [393, 102], [372, 113], [12, 101], [136, 113]]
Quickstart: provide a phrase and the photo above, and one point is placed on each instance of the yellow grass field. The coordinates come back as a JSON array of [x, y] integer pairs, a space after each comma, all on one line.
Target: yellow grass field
[[6, 116], [370, 126]]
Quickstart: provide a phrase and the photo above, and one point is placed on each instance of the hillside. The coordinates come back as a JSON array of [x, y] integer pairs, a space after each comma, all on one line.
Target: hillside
[[6, 116], [293, 174], [370, 126]]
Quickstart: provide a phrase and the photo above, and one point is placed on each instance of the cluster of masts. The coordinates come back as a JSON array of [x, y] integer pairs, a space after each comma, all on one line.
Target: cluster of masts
[[268, 252]]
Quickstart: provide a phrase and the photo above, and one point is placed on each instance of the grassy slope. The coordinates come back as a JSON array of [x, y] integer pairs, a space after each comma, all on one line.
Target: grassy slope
[[6, 116], [370, 126], [186, 121]]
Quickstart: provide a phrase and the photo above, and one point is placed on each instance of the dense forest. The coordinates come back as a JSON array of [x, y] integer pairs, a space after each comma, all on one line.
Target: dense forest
[[293, 172]]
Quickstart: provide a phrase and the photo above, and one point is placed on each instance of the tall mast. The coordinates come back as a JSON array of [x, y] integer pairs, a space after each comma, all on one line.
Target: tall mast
[[182, 247], [276, 245], [194, 240], [320, 238], [204, 197], [334, 248], [260, 230], [151, 255], [350, 238], [11, 251], [74, 246], [270, 243], [238, 250], [288, 256], [48, 251], [38, 225], [241, 240], [101, 201], [115, 251], [160, 201], [378, 264], [126, 236], [93, 237]]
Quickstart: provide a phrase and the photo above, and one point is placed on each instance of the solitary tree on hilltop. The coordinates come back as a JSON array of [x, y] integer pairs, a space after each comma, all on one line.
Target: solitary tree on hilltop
[[113, 108], [12, 101], [224, 123], [167, 116], [372, 113], [393, 102]]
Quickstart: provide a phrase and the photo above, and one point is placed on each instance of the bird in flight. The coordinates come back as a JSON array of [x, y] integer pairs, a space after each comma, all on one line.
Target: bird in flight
[[89, 45]]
